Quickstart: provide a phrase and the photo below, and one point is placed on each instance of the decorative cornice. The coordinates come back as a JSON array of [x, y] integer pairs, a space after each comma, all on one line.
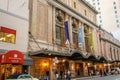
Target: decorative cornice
[[89, 6], [109, 41], [58, 4]]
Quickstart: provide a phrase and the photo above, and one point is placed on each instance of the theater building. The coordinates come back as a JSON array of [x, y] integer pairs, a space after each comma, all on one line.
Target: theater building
[[58, 35], [64, 36]]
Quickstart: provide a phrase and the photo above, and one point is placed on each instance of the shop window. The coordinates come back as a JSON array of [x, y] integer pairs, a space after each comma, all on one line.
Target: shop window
[[7, 35], [40, 68]]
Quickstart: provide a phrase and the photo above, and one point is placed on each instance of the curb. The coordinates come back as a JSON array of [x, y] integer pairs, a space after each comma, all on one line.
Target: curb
[[85, 77]]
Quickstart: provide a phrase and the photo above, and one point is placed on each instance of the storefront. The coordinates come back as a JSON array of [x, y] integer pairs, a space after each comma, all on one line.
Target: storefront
[[10, 63], [78, 62], [97, 64], [47, 62]]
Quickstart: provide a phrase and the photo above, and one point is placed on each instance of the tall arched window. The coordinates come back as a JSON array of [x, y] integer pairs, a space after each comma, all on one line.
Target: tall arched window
[[75, 32], [114, 54], [111, 53], [59, 19]]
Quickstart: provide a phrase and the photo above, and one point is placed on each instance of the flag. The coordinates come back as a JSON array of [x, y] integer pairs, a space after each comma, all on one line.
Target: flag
[[91, 41], [80, 37], [66, 32]]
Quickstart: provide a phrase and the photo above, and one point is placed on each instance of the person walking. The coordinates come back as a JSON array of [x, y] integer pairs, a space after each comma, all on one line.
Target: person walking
[[101, 72], [56, 75], [61, 73], [89, 72], [68, 75], [65, 75], [47, 74]]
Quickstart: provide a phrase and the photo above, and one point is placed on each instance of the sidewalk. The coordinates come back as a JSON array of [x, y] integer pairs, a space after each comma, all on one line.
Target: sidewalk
[[89, 77]]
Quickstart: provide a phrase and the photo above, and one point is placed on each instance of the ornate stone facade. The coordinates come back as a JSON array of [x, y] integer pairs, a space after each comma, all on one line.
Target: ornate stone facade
[[48, 37]]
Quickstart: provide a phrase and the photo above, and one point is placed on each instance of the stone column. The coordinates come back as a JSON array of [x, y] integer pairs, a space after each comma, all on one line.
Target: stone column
[[72, 68], [85, 69], [51, 70], [83, 35]]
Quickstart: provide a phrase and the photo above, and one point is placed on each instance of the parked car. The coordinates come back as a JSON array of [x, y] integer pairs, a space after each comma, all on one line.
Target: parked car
[[115, 70], [21, 77]]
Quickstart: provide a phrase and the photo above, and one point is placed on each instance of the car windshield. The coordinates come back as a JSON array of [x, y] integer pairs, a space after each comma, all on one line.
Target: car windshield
[[25, 76], [14, 76]]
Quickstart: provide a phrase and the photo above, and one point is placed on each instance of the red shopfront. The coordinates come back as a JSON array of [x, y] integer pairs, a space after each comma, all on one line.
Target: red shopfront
[[10, 63]]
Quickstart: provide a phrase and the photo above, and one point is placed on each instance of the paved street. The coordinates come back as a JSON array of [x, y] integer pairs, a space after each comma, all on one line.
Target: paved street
[[111, 77]]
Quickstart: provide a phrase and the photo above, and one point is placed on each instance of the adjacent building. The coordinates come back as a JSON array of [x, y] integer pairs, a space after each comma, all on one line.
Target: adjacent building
[[14, 26], [110, 47]]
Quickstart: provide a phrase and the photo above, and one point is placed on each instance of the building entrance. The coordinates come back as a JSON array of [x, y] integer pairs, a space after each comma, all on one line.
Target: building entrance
[[62, 67], [41, 67], [79, 69]]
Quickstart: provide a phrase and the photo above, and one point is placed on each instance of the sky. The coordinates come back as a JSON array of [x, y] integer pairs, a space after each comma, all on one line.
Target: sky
[[116, 34], [109, 14]]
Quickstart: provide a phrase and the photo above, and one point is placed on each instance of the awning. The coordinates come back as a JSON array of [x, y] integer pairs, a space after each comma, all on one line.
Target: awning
[[91, 57], [102, 59], [12, 57], [77, 55], [48, 53]]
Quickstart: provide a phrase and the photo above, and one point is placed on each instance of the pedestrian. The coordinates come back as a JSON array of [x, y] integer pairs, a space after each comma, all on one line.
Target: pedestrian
[[47, 74], [56, 75], [3, 76], [101, 72], [61, 73], [25, 71], [41, 77], [65, 75], [89, 72], [68, 75], [45, 78]]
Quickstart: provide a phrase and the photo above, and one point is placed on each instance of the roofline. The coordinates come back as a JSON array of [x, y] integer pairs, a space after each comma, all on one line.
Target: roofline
[[89, 6], [54, 3]]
